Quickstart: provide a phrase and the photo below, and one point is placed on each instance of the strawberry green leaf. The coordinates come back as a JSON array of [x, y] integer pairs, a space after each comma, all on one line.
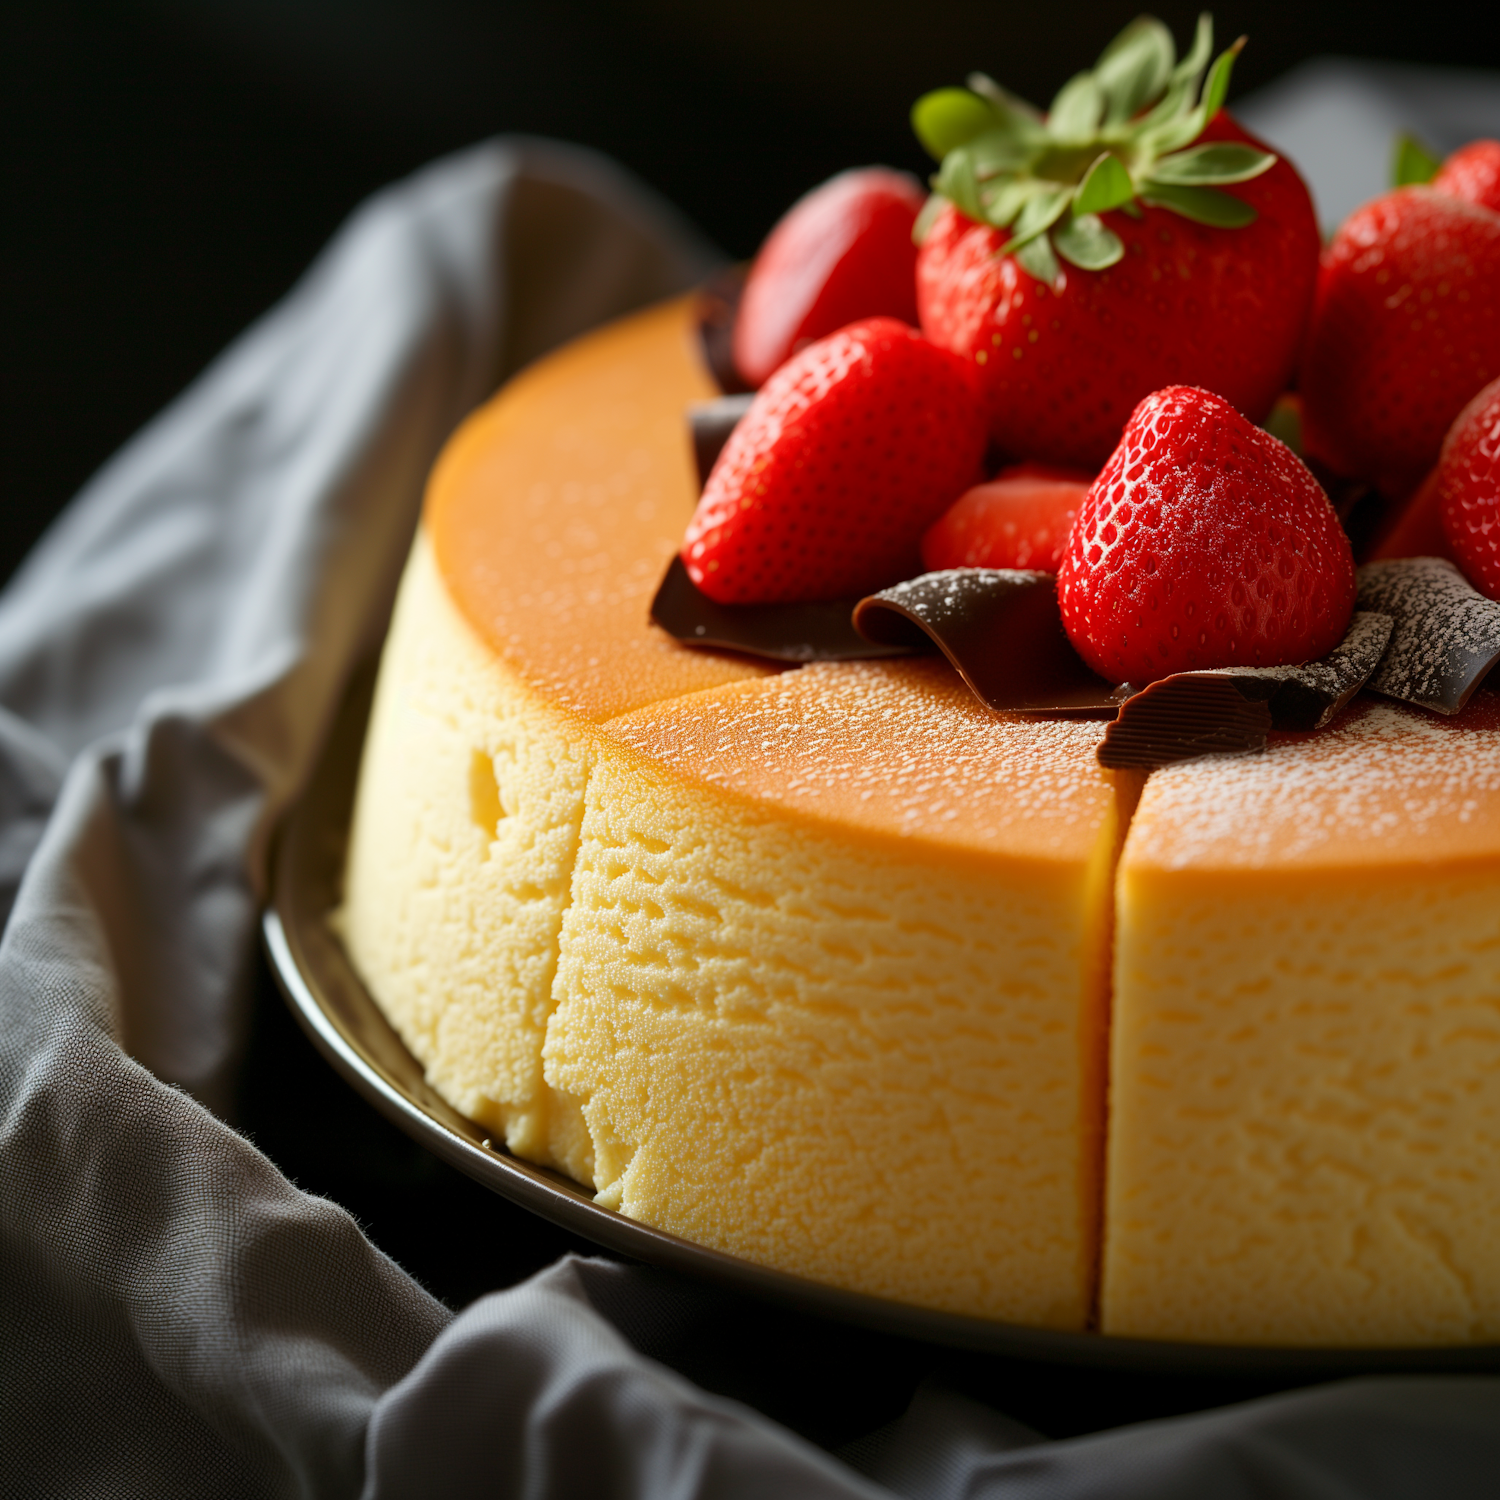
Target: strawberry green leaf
[[1203, 205], [956, 182], [1412, 162], [1114, 135], [1134, 68], [1003, 202], [998, 151], [1216, 90], [1012, 110], [1075, 112], [1105, 185], [946, 118], [1037, 259], [1087, 242], [1220, 162], [1190, 69], [1041, 212]]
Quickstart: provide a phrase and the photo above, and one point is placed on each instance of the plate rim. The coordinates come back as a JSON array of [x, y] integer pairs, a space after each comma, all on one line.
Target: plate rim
[[317, 823]]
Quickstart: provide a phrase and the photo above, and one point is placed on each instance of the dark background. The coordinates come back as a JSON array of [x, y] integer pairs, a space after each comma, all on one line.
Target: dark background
[[173, 165]]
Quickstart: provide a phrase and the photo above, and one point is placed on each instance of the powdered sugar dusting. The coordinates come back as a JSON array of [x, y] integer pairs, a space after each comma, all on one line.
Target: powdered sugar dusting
[[1447, 635], [901, 746], [1386, 784]]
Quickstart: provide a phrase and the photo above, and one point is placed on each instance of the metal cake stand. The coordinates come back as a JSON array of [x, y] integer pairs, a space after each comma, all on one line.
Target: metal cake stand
[[344, 1023]]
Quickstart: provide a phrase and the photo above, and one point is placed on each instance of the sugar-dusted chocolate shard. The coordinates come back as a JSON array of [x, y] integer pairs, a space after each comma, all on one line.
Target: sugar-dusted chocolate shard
[[1446, 639], [1228, 709], [710, 423], [1307, 697], [718, 306], [779, 632], [1001, 628]]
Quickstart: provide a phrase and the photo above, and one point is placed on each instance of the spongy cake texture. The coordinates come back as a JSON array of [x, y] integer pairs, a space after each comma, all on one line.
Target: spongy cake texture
[[832, 985], [1305, 1085]]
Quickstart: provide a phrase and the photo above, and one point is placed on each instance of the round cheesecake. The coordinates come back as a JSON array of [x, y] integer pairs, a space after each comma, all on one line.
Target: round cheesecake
[[833, 968]]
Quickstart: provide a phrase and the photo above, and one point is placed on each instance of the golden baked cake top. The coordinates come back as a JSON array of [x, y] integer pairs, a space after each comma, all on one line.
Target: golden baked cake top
[[587, 453]]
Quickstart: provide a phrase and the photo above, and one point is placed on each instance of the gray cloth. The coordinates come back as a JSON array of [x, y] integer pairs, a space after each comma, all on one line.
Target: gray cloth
[[175, 1317]]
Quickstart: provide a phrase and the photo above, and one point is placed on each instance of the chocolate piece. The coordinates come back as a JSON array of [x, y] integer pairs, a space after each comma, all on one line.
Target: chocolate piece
[[781, 632], [1447, 634], [711, 422], [1001, 628], [1182, 717], [1307, 697], [1233, 708], [718, 306]]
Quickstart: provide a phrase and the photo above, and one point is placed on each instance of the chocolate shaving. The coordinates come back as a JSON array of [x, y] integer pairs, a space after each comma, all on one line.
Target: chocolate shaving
[[780, 632], [1001, 628], [710, 423], [718, 306], [1228, 709], [1447, 634], [1182, 717], [1307, 697]]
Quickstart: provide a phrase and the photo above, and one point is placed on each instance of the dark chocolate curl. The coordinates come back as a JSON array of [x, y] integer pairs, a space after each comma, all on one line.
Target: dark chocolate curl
[[1001, 628], [710, 423], [1229, 709], [718, 307], [1182, 717], [780, 632], [1446, 639], [1308, 697]]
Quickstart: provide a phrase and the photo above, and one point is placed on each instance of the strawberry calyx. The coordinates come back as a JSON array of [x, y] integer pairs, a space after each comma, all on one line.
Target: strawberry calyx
[[1116, 137]]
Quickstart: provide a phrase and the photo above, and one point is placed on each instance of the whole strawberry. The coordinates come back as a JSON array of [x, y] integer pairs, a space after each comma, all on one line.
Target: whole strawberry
[[843, 251], [1468, 485], [1405, 329], [1204, 542], [1473, 174], [848, 453], [1018, 519], [1134, 238]]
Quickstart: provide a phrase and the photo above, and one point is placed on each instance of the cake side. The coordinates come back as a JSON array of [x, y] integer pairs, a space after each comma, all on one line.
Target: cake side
[[523, 614], [461, 852], [831, 992], [1304, 1132]]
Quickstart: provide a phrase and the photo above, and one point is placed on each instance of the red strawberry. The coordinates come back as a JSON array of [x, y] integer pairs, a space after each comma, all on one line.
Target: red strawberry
[[1019, 519], [1473, 174], [1129, 240], [1405, 329], [1417, 531], [1468, 484], [844, 251], [1204, 542], [848, 453]]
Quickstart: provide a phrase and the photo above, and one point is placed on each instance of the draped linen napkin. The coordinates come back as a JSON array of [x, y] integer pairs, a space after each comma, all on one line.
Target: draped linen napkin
[[175, 1317]]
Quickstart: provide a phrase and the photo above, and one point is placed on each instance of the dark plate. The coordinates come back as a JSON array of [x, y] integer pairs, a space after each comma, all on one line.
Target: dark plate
[[338, 1014]]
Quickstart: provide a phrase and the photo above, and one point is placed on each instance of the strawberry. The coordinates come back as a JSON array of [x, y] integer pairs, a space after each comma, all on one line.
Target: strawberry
[[847, 454], [1019, 519], [1417, 531], [1405, 329], [1132, 239], [1204, 542], [1468, 485], [1473, 174], [844, 251]]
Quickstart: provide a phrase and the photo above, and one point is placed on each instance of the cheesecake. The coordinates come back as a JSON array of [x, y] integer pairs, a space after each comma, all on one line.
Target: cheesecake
[[833, 968]]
